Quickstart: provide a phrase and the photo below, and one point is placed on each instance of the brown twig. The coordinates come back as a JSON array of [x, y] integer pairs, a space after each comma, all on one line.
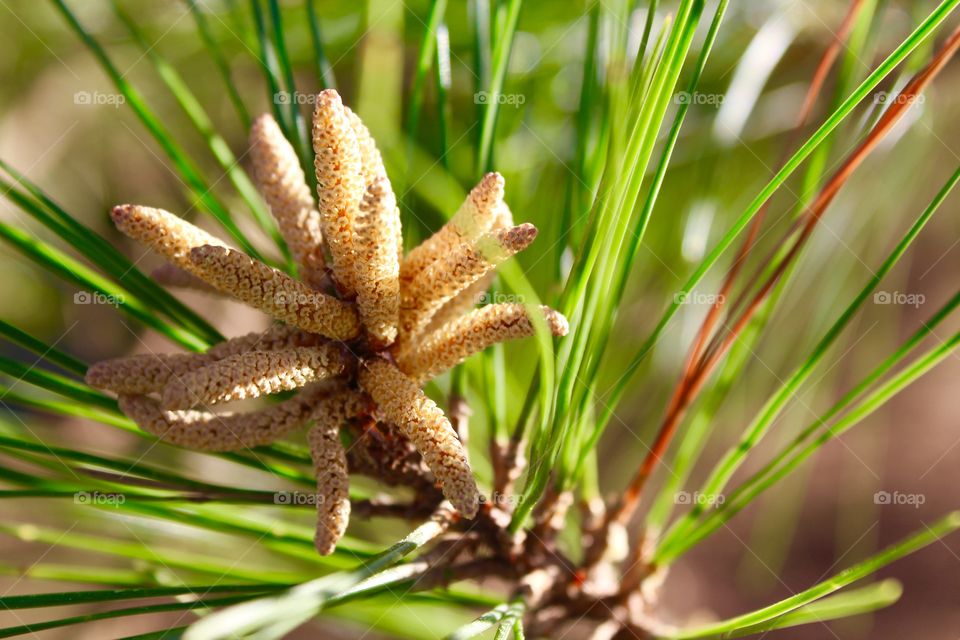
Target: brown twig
[[815, 212], [701, 358], [806, 109]]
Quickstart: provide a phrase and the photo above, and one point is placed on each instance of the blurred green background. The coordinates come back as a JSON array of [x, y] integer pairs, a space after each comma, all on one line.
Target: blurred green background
[[61, 125]]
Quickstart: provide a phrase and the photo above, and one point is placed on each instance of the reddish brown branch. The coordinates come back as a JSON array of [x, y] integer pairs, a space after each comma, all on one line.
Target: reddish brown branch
[[693, 380], [806, 109], [884, 125]]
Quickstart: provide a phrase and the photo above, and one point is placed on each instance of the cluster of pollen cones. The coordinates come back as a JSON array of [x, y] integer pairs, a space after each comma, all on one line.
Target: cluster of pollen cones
[[359, 332]]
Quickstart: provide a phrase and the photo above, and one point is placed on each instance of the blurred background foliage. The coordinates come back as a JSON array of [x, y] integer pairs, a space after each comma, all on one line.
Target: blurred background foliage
[[92, 156]]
